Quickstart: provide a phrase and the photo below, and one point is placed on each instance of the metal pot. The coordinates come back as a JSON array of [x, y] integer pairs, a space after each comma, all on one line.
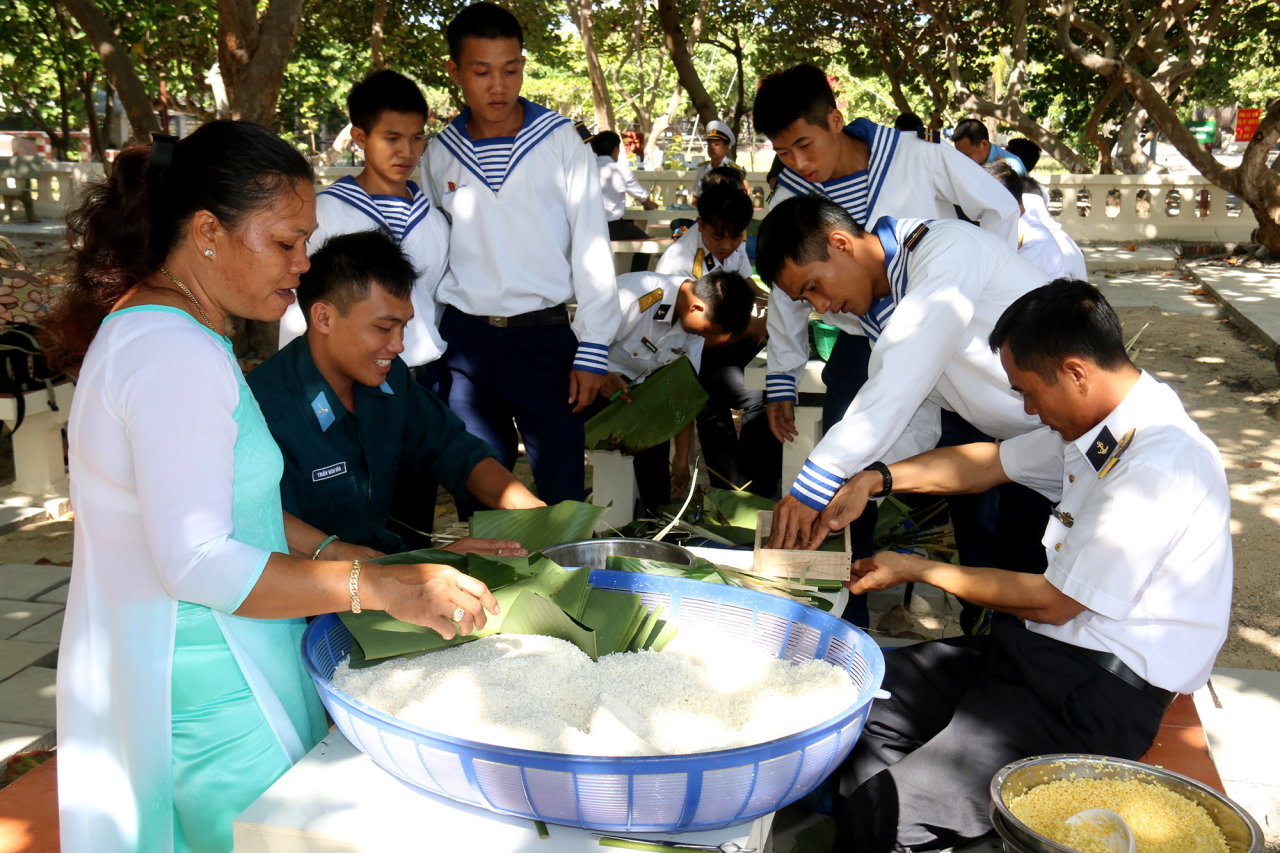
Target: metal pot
[[1242, 832], [592, 553]]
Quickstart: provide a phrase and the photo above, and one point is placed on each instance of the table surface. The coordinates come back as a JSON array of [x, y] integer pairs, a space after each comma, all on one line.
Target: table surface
[[336, 800]]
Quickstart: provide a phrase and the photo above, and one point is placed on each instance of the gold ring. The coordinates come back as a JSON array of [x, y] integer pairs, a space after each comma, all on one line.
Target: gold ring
[[458, 613]]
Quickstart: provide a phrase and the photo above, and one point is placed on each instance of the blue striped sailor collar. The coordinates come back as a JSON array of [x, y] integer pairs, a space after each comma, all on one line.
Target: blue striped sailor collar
[[895, 235], [857, 192], [347, 190], [323, 401], [538, 124]]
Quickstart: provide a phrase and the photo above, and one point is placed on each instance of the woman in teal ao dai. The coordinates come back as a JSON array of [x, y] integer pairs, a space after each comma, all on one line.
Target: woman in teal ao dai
[[181, 690]]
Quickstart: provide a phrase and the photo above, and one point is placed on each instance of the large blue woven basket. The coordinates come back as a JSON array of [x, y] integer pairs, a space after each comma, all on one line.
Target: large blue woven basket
[[676, 793]]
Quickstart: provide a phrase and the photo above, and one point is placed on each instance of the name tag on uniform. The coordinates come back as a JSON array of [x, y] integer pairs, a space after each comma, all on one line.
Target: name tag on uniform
[[649, 345], [328, 472]]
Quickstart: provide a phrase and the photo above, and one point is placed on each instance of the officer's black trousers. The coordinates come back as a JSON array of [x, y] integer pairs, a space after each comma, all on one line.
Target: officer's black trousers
[[960, 710]]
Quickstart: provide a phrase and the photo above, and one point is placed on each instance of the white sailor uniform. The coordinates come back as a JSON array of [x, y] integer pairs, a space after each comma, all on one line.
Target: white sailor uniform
[[422, 232], [528, 236], [1043, 241], [688, 257], [1141, 537], [923, 359], [909, 175]]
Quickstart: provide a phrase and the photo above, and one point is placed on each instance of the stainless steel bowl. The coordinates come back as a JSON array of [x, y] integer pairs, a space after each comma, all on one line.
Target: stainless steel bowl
[[1242, 832], [592, 553]]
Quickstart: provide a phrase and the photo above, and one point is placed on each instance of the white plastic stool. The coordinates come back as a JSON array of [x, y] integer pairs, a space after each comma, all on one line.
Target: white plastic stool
[[37, 445], [613, 486]]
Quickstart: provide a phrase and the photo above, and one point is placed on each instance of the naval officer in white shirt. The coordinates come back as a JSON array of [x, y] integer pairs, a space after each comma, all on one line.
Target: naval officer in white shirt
[[1132, 609]]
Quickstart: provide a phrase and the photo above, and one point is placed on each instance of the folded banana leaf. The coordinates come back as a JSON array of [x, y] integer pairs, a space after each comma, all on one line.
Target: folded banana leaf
[[380, 635], [535, 596], [538, 527], [662, 405]]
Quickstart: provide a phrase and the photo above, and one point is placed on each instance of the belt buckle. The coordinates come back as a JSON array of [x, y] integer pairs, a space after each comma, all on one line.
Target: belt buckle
[[500, 322]]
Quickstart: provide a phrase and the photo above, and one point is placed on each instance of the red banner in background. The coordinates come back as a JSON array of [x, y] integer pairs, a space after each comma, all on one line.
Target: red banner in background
[[1246, 123]]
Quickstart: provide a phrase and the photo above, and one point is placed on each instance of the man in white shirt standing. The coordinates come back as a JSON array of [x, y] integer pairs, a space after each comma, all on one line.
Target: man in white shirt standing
[[616, 183], [1132, 609], [528, 238]]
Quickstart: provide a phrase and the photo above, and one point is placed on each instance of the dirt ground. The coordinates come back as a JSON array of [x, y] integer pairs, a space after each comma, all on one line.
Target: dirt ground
[[1228, 384]]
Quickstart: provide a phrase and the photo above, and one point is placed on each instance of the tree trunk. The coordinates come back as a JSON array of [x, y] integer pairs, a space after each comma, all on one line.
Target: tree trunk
[[659, 126], [253, 53], [1130, 158], [682, 58], [91, 115], [1255, 184], [377, 61], [109, 116], [581, 14], [115, 61]]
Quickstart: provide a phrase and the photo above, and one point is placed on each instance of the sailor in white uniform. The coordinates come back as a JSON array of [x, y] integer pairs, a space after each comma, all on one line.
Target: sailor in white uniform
[[927, 294], [528, 238], [1041, 239]]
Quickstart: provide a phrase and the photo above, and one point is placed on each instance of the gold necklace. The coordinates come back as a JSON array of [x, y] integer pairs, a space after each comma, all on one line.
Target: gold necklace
[[186, 291]]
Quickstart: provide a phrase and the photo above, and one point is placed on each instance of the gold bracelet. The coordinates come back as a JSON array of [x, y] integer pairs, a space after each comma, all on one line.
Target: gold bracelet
[[353, 586]]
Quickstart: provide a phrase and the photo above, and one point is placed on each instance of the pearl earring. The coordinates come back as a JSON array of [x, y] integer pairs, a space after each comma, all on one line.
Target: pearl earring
[[208, 253]]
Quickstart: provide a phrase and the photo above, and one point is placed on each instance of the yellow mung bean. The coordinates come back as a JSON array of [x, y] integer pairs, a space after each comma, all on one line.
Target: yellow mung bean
[[1162, 821]]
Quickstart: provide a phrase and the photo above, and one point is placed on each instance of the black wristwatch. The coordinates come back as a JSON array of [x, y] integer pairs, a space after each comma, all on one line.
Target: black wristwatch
[[883, 469]]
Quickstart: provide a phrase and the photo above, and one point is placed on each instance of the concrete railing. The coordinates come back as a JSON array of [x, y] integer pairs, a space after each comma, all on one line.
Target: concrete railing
[[1090, 207]]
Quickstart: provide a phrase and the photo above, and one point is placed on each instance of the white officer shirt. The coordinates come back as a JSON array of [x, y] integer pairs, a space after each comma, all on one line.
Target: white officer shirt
[[616, 183], [929, 351], [688, 257], [528, 227], [700, 174], [1044, 242], [909, 175], [1148, 546], [650, 334], [345, 208]]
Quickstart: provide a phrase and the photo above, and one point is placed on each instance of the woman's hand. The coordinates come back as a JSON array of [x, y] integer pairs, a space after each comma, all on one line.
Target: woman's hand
[[494, 547], [431, 595]]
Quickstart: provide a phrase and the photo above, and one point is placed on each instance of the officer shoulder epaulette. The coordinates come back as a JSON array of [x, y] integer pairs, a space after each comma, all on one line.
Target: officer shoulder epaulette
[[916, 235], [650, 299], [929, 135]]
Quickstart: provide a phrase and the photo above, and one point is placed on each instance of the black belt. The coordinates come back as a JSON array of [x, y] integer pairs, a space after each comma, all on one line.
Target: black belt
[[1120, 670], [556, 315]]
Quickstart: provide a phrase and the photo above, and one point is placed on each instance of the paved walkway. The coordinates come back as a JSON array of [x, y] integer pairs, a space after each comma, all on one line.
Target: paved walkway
[[1239, 708]]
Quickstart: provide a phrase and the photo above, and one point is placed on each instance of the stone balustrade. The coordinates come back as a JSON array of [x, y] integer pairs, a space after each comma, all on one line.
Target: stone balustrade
[[1091, 207]]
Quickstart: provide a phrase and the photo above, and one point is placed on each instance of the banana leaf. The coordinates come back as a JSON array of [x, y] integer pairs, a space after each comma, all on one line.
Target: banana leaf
[[665, 403], [535, 614], [734, 508], [380, 635], [616, 616], [539, 527]]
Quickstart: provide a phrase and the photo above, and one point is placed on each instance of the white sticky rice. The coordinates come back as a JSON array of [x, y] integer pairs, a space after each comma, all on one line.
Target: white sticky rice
[[703, 692]]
